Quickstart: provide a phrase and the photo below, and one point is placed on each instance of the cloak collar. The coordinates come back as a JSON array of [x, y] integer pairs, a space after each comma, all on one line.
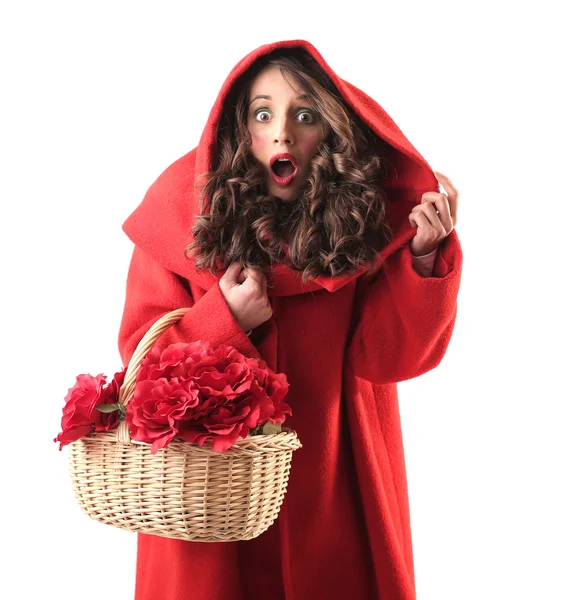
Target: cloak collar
[[161, 224]]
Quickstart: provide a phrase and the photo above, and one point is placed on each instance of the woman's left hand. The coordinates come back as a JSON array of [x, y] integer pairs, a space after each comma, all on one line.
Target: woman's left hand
[[435, 217]]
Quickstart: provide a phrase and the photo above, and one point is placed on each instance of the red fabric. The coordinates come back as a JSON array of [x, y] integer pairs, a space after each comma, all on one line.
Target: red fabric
[[344, 527]]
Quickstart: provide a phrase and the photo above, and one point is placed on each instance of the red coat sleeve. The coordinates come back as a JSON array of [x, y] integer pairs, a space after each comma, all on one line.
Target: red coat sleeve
[[152, 291], [404, 321]]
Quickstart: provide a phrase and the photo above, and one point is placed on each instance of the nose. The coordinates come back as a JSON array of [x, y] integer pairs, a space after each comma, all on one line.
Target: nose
[[283, 132]]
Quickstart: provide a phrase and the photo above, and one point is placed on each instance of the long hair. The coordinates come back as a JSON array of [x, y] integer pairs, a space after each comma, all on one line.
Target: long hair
[[336, 223]]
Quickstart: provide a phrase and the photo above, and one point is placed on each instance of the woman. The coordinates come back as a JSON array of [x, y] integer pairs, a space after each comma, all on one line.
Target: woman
[[330, 294]]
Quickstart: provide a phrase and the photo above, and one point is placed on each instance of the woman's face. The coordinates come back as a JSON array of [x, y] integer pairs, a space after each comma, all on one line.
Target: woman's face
[[282, 121]]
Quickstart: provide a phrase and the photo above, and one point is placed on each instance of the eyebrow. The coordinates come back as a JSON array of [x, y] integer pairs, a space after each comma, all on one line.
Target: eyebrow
[[264, 97]]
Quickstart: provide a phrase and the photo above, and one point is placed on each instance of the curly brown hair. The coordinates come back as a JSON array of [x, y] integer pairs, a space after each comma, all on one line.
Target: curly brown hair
[[337, 222]]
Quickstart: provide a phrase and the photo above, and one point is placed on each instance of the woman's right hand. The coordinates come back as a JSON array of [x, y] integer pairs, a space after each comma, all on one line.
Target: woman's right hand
[[246, 294]]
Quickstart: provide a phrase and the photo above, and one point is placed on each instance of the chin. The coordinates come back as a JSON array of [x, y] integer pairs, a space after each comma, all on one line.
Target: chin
[[284, 194], [286, 197]]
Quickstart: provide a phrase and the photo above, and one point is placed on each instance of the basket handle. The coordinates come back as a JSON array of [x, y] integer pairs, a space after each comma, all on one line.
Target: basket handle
[[128, 388]]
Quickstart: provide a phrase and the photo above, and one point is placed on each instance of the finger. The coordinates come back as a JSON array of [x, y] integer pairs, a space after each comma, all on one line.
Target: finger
[[254, 279], [441, 209], [254, 273], [232, 272], [419, 219], [452, 194], [241, 276], [264, 285], [428, 209]]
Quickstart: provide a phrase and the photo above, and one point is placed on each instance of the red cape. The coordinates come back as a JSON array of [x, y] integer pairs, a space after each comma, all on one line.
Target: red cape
[[344, 342]]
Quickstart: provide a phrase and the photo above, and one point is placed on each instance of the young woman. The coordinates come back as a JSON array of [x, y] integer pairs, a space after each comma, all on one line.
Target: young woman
[[307, 230]]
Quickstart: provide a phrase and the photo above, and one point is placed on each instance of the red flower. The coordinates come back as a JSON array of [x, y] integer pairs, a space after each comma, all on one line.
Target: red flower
[[276, 387], [157, 408], [200, 393], [226, 422], [106, 421], [79, 410]]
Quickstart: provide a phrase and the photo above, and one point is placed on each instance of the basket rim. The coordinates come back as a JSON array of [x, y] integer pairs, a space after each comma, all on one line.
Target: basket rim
[[250, 444]]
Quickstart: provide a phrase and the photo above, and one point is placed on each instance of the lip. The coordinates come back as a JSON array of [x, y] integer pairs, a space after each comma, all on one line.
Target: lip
[[283, 181]]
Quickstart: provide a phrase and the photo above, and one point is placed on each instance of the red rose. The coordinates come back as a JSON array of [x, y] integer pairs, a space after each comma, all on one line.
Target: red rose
[[276, 387], [157, 408], [201, 393], [174, 361], [223, 371], [79, 410], [106, 421], [225, 422], [227, 373], [275, 384]]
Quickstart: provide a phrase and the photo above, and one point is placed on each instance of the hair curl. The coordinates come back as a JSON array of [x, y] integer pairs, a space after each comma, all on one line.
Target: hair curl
[[337, 222]]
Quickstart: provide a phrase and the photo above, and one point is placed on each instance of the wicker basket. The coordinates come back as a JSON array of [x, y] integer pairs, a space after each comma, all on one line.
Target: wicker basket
[[184, 491]]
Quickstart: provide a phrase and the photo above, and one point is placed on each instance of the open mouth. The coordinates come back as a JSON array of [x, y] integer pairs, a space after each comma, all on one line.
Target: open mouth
[[283, 169]]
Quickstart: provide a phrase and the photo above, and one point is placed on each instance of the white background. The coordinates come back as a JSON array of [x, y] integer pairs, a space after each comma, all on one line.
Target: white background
[[99, 97]]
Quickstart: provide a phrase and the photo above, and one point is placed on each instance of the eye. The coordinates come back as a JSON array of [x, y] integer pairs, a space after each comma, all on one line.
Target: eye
[[261, 112], [311, 117]]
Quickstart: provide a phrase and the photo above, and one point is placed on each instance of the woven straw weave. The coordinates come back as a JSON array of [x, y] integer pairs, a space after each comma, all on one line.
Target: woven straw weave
[[183, 491]]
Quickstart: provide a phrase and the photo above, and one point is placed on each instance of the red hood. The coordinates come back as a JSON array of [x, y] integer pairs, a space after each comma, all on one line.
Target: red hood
[[160, 225]]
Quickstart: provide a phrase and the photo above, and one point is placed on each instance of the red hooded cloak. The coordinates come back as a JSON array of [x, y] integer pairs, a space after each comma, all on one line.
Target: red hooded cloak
[[344, 527]]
